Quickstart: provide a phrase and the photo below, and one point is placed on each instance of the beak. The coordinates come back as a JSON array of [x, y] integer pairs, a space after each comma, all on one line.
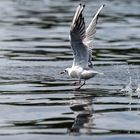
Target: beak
[[62, 72]]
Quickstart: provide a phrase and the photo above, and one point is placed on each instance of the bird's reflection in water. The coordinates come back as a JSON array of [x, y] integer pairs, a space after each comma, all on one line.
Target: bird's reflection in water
[[82, 106]]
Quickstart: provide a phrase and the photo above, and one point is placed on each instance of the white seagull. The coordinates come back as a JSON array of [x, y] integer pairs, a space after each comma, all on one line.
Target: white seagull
[[81, 43]]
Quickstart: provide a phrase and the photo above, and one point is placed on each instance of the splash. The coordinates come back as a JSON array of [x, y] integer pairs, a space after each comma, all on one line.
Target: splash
[[128, 88], [137, 91]]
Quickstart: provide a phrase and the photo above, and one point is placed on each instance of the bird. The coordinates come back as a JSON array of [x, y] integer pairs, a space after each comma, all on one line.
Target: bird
[[81, 41]]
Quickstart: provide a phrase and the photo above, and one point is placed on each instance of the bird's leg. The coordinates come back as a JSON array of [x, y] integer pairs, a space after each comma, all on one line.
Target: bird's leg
[[77, 83], [81, 85]]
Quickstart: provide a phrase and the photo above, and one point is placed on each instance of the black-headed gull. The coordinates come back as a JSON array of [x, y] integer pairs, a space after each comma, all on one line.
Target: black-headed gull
[[81, 44]]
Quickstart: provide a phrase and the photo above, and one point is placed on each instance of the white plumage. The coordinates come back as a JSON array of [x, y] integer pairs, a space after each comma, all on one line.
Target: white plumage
[[81, 44]]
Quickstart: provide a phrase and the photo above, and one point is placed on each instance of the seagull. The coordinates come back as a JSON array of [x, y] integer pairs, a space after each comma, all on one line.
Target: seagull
[[81, 43]]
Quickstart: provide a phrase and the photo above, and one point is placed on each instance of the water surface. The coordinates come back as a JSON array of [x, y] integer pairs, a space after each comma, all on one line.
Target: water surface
[[37, 102]]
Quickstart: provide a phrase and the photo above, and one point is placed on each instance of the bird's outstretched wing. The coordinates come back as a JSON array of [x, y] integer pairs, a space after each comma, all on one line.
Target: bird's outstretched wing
[[90, 32], [77, 35], [81, 38]]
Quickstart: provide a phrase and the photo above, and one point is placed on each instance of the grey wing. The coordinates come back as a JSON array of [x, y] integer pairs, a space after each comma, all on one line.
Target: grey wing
[[90, 32], [77, 34]]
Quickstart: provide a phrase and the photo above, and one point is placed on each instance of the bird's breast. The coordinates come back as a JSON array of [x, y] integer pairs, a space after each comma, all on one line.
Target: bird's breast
[[74, 74]]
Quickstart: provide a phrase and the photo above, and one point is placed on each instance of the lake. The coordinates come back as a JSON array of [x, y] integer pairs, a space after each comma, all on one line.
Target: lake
[[39, 103]]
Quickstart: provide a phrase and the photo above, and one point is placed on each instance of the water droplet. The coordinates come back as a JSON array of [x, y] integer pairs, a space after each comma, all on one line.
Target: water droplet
[[128, 88]]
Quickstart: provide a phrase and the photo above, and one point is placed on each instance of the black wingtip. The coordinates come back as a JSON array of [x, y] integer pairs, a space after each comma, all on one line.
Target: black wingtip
[[82, 5], [103, 5]]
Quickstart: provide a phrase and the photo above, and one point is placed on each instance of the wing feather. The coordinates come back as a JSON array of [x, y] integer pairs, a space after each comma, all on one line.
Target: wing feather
[[81, 38], [77, 34], [90, 32]]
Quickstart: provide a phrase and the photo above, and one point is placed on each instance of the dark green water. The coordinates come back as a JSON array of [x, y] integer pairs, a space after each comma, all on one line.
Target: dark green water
[[38, 103]]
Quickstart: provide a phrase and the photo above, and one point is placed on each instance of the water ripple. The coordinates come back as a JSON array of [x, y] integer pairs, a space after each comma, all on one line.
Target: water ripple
[[37, 102]]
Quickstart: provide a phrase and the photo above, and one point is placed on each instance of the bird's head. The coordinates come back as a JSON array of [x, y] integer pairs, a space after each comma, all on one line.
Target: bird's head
[[65, 71]]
